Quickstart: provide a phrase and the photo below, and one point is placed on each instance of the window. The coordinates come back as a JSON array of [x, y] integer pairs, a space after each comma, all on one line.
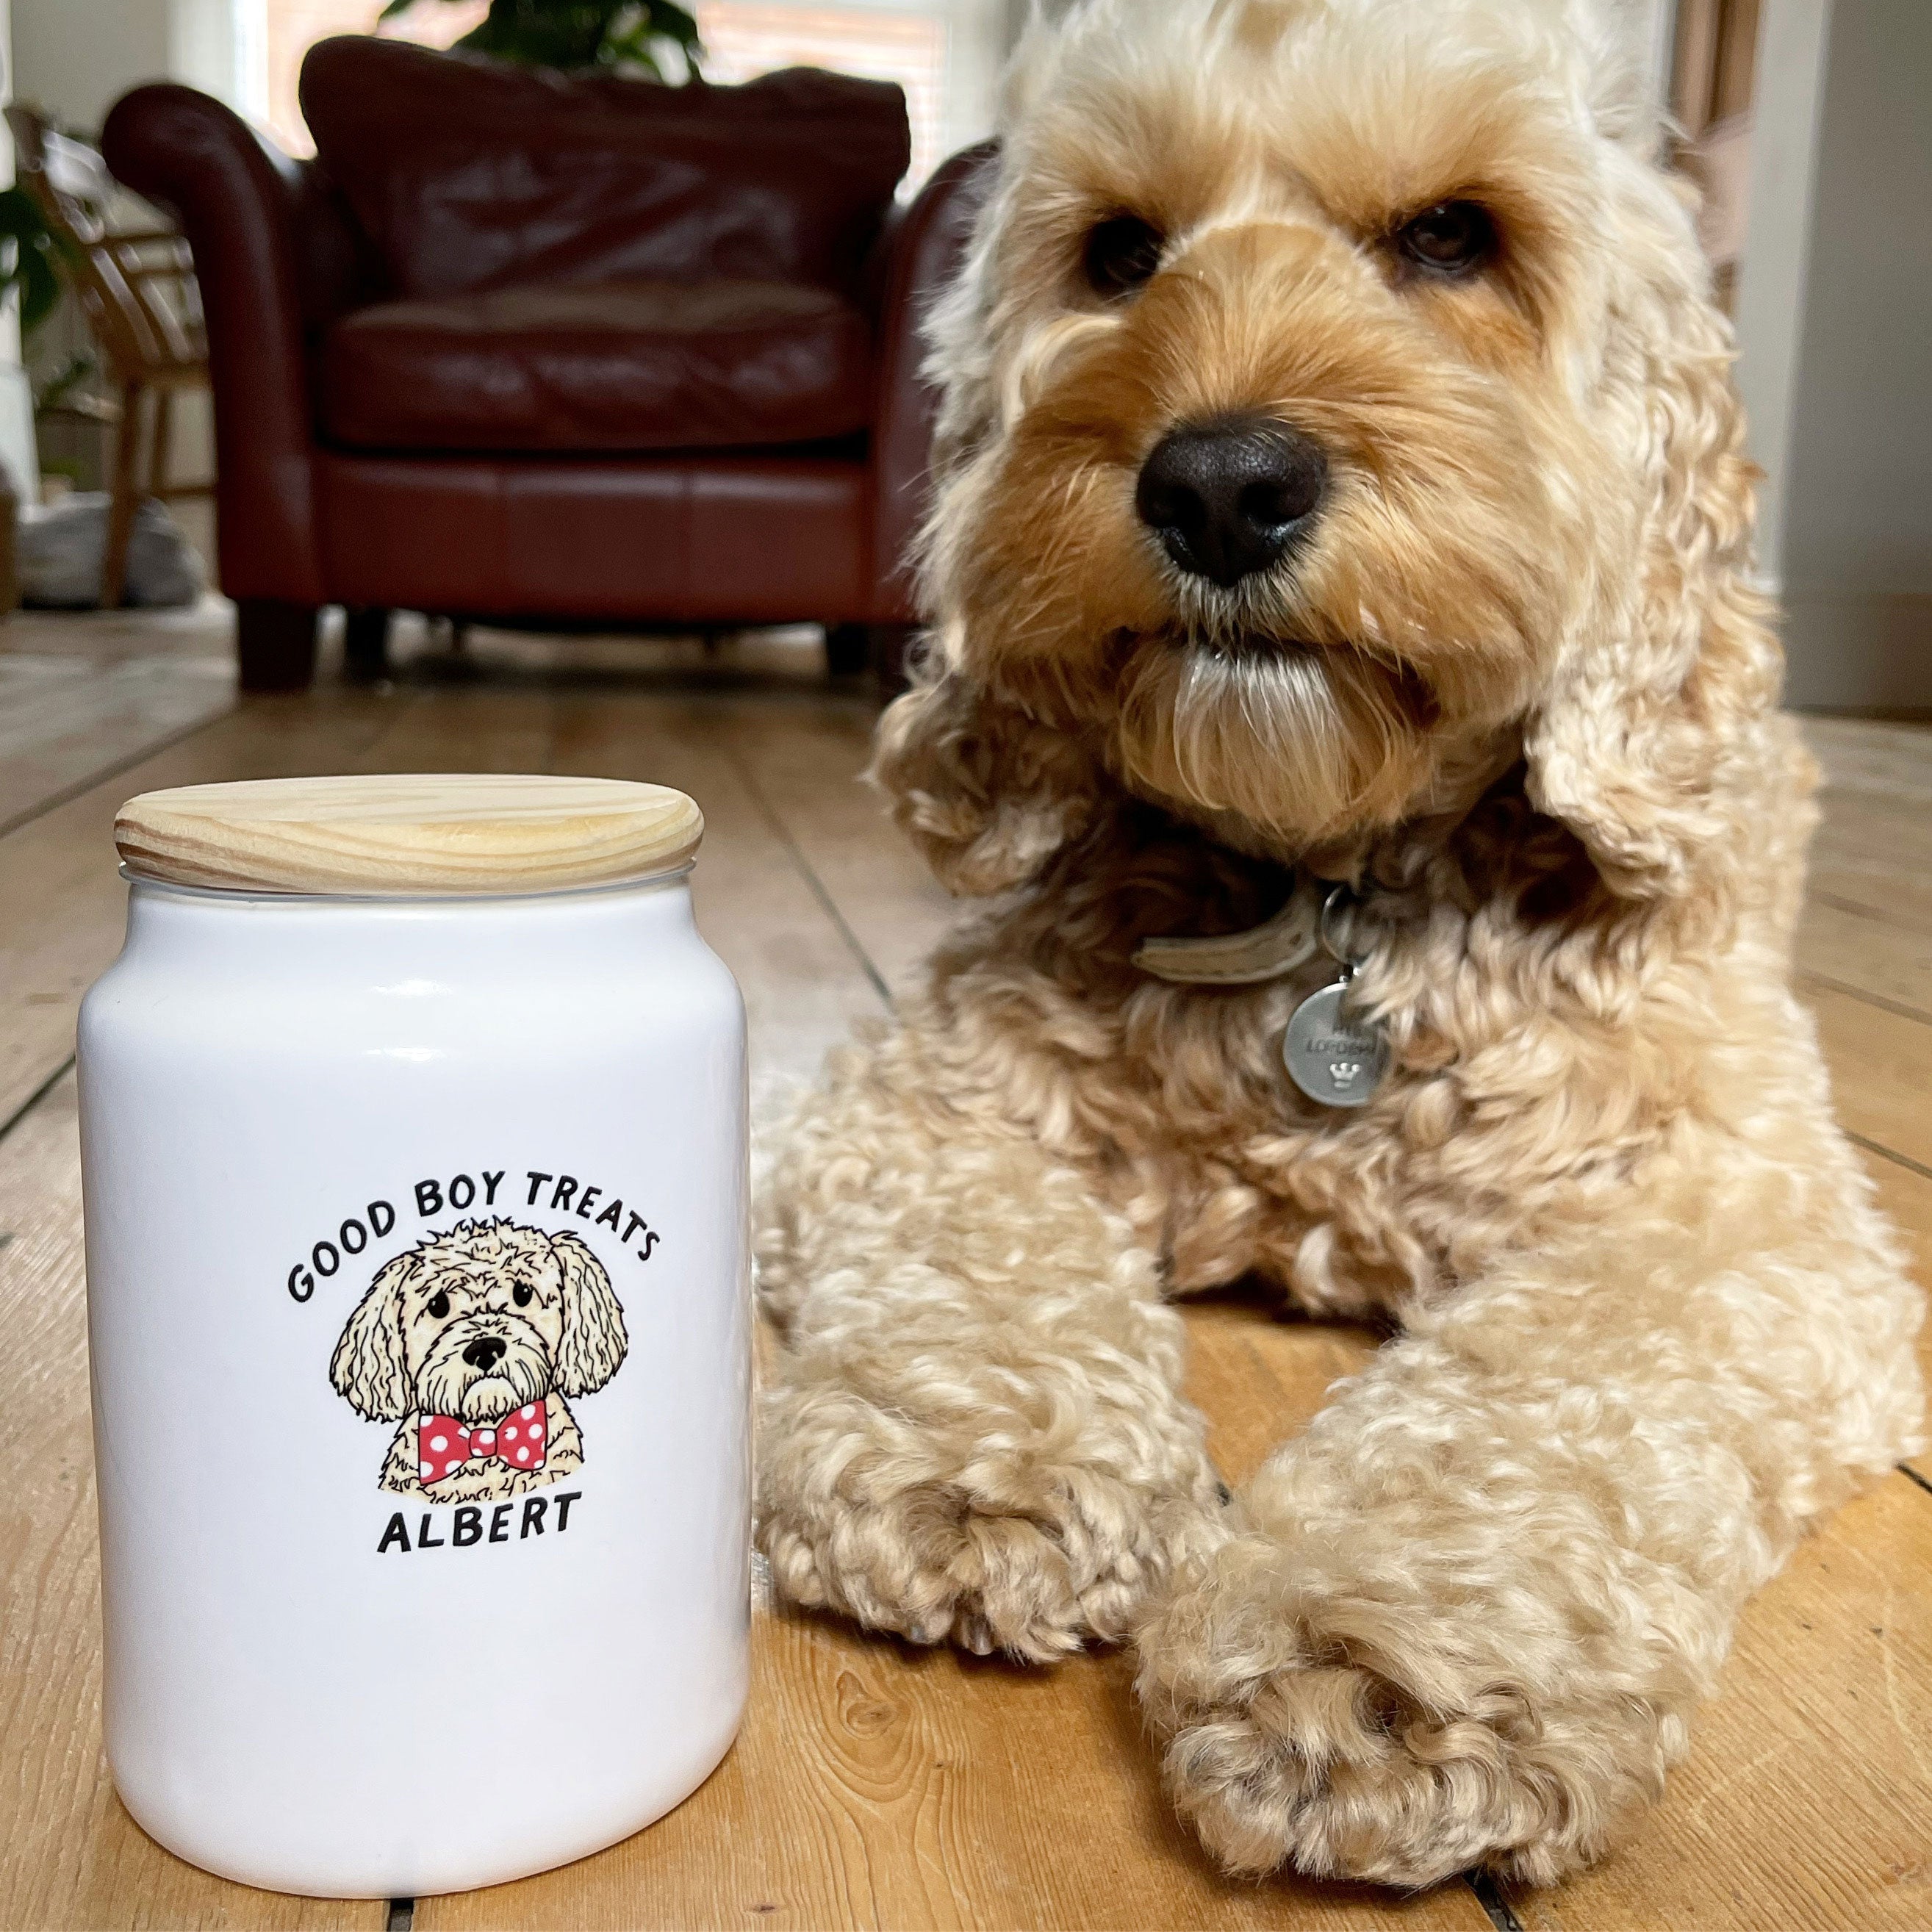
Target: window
[[284, 31], [743, 38]]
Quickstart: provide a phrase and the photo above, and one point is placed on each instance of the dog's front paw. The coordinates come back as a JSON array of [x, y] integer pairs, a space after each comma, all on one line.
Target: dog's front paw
[[1356, 1736], [1030, 1543]]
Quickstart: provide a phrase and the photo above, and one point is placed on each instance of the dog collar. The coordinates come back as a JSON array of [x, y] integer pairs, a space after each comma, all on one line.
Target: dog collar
[[1270, 951], [1335, 1057]]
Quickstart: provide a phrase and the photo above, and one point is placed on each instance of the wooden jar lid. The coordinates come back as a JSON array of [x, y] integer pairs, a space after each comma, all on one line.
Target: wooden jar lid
[[484, 833]]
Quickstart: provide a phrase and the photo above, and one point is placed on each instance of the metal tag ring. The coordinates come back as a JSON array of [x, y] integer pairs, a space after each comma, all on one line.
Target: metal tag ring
[[1338, 902]]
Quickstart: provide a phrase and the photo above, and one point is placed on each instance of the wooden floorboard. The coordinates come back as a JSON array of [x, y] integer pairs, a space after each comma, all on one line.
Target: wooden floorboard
[[1875, 856], [804, 983], [1873, 850], [80, 696], [1906, 1195], [1807, 1803], [62, 904], [1860, 952], [1881, 1064], [876, 1785], [804, 763]]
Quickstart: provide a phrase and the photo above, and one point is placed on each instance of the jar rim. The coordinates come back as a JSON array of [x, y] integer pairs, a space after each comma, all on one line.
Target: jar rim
[[420, 896]]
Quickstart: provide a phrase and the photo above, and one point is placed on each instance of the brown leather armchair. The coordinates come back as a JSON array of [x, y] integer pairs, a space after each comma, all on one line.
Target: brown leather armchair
[[534, 347]]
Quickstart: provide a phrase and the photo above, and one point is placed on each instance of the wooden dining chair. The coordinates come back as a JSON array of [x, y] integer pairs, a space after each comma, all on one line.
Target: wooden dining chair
[[137, 291]]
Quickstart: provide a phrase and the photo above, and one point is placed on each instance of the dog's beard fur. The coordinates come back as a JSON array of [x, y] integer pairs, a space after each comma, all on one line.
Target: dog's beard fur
[[1285, 737], [450, 1386]]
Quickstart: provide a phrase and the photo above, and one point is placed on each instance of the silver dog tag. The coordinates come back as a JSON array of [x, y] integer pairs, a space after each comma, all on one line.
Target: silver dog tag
[[1336, 1060]]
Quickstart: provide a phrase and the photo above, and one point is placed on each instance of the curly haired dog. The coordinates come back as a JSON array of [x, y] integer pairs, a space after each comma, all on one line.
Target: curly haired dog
[[471, 1341], [1340, 484]]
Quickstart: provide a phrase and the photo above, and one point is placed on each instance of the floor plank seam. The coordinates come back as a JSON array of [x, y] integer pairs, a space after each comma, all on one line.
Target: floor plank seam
[[1884, 1153], [1897, 1008], [808, 871], [39, 1094], [1837, 902], [68, 793], [1489, 1896]]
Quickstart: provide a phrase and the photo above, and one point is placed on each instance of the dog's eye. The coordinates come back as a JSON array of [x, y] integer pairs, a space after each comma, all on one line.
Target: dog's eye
[[439, 1305], [1452, 237], [522, 1294], [1122, 252]]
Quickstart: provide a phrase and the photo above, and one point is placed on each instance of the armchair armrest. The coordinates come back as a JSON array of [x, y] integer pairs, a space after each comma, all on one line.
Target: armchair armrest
[[238, 200], [923, 251]]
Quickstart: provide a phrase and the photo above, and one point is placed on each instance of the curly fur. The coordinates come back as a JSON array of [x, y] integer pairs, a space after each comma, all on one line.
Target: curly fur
[[1518, 691]]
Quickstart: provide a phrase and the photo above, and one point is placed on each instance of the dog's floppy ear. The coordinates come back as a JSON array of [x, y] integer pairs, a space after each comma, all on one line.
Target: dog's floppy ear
[[1625, 44], [1656, 720], [367, 1367], [987, 793], [594, 1341]]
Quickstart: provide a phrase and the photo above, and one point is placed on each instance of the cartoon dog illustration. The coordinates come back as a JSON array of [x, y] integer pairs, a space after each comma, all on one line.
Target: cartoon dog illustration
[[471, 1341]]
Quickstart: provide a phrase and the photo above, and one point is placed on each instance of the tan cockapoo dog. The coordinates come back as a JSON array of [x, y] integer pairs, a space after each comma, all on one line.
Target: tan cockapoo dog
[[1341, 485]]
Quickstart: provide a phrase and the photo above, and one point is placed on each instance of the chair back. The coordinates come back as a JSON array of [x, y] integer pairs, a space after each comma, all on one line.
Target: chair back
[[466, 174], [137, 287]]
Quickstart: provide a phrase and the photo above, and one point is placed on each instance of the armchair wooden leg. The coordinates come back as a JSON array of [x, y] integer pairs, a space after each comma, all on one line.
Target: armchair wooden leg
[[159, 449], [848, 649], [124, 500], [275, 642], [892, 655], [365, 643]]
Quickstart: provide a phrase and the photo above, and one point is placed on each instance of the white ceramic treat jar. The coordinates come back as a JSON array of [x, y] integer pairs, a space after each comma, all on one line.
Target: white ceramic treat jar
[[413, 1135]]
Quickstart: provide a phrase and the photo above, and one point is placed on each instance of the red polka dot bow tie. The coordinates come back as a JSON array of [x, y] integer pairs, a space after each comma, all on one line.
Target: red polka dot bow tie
[[518, 1440]]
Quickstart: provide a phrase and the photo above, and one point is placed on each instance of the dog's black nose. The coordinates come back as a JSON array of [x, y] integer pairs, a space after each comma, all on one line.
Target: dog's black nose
[[1225, 498], [486, 1354]]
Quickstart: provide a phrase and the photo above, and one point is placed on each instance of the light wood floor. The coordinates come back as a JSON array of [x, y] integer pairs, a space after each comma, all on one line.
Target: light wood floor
[[876, 1785]]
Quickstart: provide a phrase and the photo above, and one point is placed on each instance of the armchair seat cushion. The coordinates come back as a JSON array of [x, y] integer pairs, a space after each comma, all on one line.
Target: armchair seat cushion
[[587, 367]]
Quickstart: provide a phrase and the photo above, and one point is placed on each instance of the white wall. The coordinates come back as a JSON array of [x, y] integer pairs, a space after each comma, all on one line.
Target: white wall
[[76, 58], [17, 400], [1770, 304], [1835, 359], [202, 49], [744, 35]]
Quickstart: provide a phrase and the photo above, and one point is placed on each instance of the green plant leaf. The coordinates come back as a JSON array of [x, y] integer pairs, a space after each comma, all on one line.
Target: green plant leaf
[[675, 24], [71, 375], [30, 256], [577, 34], [40, 290]]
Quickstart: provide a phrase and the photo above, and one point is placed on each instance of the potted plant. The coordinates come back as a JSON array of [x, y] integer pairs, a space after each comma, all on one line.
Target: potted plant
[[629, 36]]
